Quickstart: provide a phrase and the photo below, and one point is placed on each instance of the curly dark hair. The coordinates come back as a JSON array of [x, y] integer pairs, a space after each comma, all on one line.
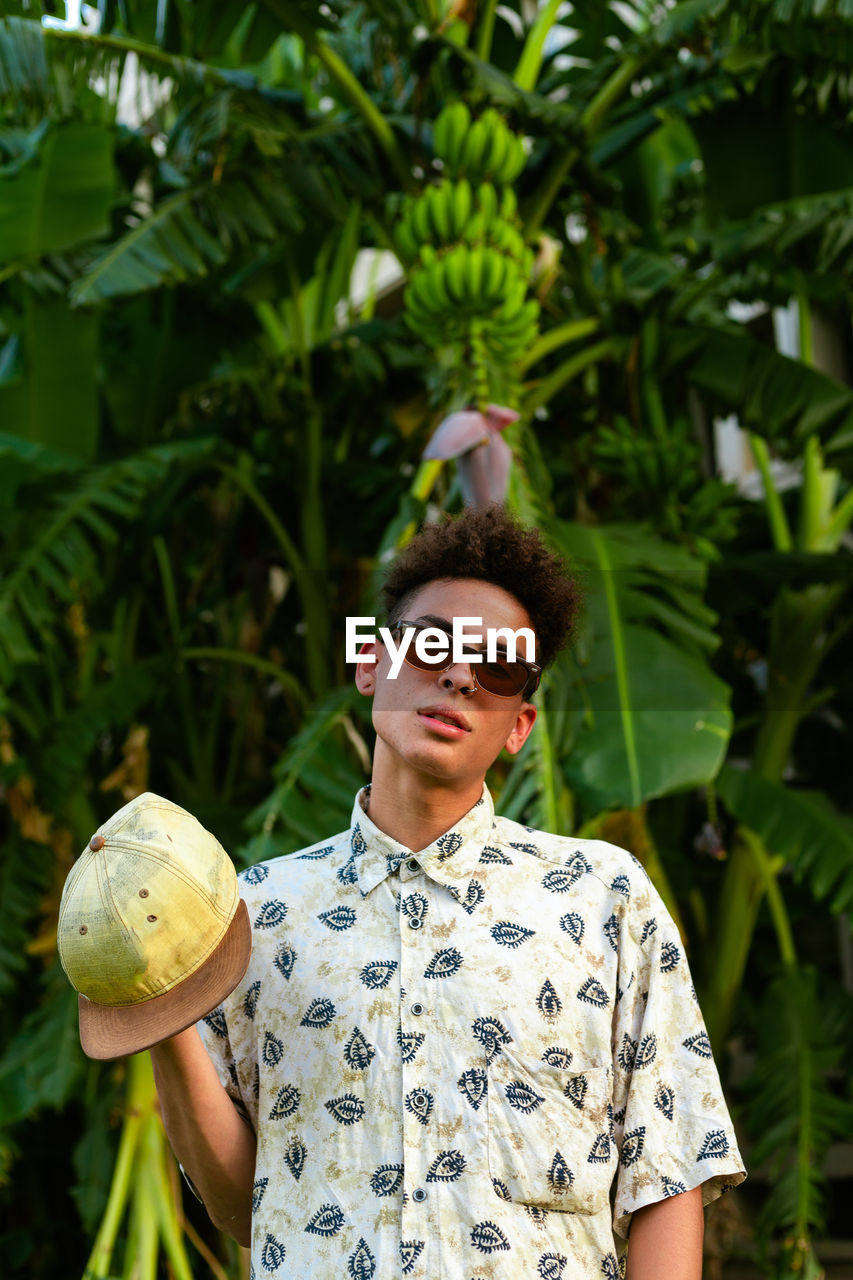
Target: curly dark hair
[[492, 545]]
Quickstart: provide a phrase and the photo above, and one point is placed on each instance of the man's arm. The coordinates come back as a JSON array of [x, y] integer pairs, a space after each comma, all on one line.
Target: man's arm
[[666, 1239], [210, 1139]]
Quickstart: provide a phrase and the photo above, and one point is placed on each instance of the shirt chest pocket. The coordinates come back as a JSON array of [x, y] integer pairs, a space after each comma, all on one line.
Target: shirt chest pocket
[[549, 1134]]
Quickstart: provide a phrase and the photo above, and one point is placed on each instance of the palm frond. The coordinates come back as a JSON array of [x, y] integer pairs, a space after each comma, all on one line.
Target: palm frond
[[795, 1110], [800, 826], [316, 780], [62, 560], [186, 235], [24, 876], [43, 1061]]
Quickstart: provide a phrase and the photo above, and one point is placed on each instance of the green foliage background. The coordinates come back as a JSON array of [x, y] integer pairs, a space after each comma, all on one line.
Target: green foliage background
[[207, 451]]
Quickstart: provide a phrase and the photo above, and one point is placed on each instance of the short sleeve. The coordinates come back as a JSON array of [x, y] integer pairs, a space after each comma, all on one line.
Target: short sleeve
[[672, 1127], [216, 1034]]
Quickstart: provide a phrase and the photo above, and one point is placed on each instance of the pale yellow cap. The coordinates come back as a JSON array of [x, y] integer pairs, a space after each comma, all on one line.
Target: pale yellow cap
[[151, 927]]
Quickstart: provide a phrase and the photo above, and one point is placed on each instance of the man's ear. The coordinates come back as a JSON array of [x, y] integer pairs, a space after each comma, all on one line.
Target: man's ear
[[524, 722], [365, 672]]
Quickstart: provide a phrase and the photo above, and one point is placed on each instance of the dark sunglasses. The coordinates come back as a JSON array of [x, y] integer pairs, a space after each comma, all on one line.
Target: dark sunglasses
[[502, 678]]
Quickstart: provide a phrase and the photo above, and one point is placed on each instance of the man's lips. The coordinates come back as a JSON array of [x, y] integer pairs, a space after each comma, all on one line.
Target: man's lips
[[445, 718]]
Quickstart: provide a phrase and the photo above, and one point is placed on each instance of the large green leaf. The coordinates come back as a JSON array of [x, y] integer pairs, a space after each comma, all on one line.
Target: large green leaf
[[774, 395], [60, 199], [53, 399], [747, 151], [656, 718], [800, 826]]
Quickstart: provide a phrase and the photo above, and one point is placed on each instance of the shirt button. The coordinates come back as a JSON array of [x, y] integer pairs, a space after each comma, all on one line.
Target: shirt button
[[419, 1194], [417, 1008], [415, 923], [413, 864]]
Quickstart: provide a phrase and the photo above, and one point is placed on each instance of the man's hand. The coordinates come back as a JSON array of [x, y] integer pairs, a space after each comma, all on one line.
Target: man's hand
[[665, 1242], [216, 1147]]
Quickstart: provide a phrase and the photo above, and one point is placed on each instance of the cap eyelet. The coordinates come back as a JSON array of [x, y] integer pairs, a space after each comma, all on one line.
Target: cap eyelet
[[84, 928], [151, 918], [143, 893]]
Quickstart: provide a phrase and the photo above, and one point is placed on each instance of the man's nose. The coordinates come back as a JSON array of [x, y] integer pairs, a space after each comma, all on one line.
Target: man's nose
[[458, 676]]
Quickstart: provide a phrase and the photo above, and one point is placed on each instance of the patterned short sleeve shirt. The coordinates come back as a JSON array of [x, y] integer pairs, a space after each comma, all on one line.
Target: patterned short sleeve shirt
[[473, 1061]]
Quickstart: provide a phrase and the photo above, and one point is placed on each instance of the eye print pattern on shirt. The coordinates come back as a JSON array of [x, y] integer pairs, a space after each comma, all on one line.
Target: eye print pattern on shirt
[[426, 1057]]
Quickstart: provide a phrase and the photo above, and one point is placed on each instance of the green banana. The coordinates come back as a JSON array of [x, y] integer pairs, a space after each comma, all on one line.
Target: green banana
[[436, 289], [473, 149], [421, 222], [441, 131], [513, 300], [475, 231], [524, 320], [514, 163], [440, 211], [500, 142], [419, 296], [451, 128], [509, 204], [507, 238], [404, 240], [487, 200], [494, 275], [461, 207], [474, 265], [454, 274]]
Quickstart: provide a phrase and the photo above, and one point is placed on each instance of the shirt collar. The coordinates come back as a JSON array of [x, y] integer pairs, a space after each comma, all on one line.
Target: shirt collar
[[449, 860]]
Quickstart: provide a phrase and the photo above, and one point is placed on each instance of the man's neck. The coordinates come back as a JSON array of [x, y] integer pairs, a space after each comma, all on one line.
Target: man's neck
[[417, 811]]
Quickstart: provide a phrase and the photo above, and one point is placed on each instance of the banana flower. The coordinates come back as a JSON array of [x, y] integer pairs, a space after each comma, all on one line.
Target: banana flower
[[482, 456]]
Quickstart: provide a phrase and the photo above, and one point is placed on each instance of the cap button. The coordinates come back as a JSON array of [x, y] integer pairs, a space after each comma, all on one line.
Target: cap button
[[96, 843]]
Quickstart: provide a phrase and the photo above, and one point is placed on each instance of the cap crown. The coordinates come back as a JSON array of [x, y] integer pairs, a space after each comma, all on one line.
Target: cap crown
[[145, 904]]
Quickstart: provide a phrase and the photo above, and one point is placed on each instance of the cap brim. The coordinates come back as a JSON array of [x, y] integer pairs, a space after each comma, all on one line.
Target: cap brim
[[112, 1031]]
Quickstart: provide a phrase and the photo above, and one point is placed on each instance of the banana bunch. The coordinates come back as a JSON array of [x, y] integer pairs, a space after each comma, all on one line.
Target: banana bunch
[[469, 267], [452, 211], [472, 282], [483, 148]]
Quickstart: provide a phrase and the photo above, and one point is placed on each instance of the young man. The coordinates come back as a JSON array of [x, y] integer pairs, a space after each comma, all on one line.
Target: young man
[[463, 1048]]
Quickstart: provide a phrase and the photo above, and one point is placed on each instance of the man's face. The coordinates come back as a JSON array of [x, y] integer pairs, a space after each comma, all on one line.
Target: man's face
[[408, 711]]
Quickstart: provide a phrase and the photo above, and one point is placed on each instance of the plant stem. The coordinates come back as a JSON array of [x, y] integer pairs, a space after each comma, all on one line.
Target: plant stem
[[736, 913], [485, 30], [313, 601], [544, 197], [779, 528], [621, 667], [527, 70], [611, 91], [545, 750], [420, 489], [170, 596], [98, 1265], [840, 520], [164, 1200], [576, 364], [767, 871], [557, 337]]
